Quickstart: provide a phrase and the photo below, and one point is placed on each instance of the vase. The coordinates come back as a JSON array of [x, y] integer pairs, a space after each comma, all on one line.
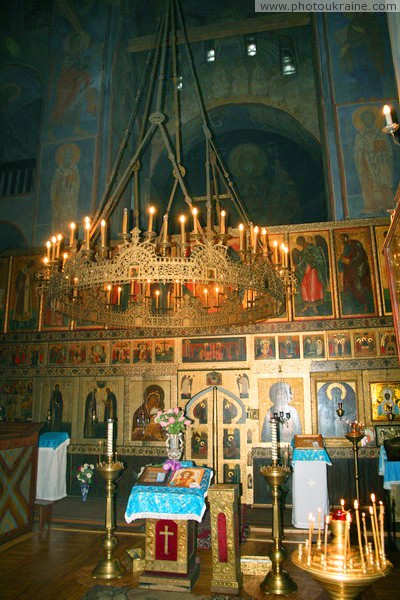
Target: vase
[[174, 445], [84, 491]]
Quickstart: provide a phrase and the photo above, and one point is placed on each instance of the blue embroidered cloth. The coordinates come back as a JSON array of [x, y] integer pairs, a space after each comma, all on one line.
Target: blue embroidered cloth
[[53, 439], [389, 469], [155, 502], [319, 454]]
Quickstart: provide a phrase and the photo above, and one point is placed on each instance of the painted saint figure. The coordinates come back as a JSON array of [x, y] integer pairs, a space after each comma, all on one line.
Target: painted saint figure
[[23, 307], [374, 161], [281, 395], [90, 414], [312, 273], [65, 187], [56, 408], [357, 286]]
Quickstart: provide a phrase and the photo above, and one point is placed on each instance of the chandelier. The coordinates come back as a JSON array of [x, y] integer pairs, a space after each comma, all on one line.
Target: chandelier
[[198, 276]]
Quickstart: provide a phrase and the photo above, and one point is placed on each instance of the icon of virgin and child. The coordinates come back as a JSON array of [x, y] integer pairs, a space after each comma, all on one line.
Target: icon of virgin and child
[[144, 428]]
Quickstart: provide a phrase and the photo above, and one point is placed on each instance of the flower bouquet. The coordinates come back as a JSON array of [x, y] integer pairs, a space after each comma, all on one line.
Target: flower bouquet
[[84, 475], [172, 420]]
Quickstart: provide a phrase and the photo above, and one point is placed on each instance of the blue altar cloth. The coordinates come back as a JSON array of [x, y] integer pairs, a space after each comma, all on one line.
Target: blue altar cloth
[[155, 502], [389, 469], [319, 454], [53, 439]]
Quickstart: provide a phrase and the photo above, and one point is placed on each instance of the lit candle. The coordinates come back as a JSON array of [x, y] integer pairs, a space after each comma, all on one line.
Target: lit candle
[[283, 254], [125, 221], [53, 247], [194, 213], [157, 298], [388, 115], [327, 520], [274, 440], [48, 246], [119, 290], [58, 245], [109, 446], [374, 535], [275, 244], [255, 235], [241, 236], [72, 233], [87, 236], [376, 521], [100, 445], [165, 229], [319, 528], [103, 240], [205, 297], [286, 256], [151, 215], [45, 260], [382, 530], [182, 221], [342, 504], [360, 546], [65, 256], [223, 215], [109, 294]]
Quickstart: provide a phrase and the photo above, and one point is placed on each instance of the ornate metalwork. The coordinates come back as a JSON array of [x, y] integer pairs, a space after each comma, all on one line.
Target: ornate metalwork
[[198, 284]]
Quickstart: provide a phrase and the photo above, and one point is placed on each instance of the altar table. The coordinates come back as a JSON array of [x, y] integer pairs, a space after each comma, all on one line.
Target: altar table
[[310, 485], [171, 515], [51, 482]]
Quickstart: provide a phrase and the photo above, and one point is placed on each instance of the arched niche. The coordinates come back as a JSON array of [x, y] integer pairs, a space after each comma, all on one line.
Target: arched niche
[[274, 161]]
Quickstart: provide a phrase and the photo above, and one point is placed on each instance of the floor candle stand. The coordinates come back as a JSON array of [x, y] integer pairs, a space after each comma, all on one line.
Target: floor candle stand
[[277, 580]]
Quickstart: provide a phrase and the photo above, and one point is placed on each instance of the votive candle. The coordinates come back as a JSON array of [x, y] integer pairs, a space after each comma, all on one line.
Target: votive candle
[[360, 546], [223, 215], [72, 233], [103, 230], [125, 221], [374, 535], [274, 440], [388, 115], [151, 215], [182, 221]]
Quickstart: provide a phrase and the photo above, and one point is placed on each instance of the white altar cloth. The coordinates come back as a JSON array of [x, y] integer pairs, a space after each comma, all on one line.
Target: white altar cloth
[[51, 481], [310, 492]]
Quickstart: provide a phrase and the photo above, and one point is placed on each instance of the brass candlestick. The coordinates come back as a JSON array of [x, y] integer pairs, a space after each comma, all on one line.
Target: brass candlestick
[[277, 581], [355, 436], [109, 567]]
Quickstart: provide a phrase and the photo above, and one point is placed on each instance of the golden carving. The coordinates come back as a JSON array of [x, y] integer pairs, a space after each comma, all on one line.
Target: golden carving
[[224, 500]]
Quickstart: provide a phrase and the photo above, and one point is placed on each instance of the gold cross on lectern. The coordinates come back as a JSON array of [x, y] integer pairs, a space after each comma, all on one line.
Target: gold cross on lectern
[[166, 533]]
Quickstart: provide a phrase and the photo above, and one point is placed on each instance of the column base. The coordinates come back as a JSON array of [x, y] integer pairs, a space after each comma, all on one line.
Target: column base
[[171, 582]]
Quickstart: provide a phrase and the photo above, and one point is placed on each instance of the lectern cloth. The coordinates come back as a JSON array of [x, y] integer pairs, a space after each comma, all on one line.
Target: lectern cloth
[[155, 502], [320, 454], [310, 489], [51, 481], [389, 469]]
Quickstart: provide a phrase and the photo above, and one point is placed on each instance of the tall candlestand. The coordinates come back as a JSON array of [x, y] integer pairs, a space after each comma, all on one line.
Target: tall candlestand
[[355, 435], [109, 567], [277, 580]]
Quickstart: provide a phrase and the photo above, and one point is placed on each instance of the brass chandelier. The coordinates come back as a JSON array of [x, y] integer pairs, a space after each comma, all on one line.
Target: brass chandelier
[[194, 278]]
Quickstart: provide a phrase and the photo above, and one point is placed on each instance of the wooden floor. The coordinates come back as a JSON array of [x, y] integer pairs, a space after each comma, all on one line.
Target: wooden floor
[[57, 565]]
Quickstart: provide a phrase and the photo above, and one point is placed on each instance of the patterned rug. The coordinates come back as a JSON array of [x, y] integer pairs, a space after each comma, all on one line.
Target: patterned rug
[[104, 592]]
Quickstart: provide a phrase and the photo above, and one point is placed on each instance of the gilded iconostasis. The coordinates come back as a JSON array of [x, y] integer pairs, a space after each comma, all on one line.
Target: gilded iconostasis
[[335, 344]]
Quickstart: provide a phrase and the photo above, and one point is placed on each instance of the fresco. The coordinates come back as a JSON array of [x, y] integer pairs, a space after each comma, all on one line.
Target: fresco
[[65, 187], [311, 265], [355, 271], [370, 164], [314, 346], [360, 56]]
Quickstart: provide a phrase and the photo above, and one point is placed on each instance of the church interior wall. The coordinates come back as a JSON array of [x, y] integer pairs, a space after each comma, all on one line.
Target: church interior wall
[[349, 346]]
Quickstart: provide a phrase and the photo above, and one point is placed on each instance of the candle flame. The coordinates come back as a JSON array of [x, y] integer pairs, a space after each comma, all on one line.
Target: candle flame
[[372, 498]]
